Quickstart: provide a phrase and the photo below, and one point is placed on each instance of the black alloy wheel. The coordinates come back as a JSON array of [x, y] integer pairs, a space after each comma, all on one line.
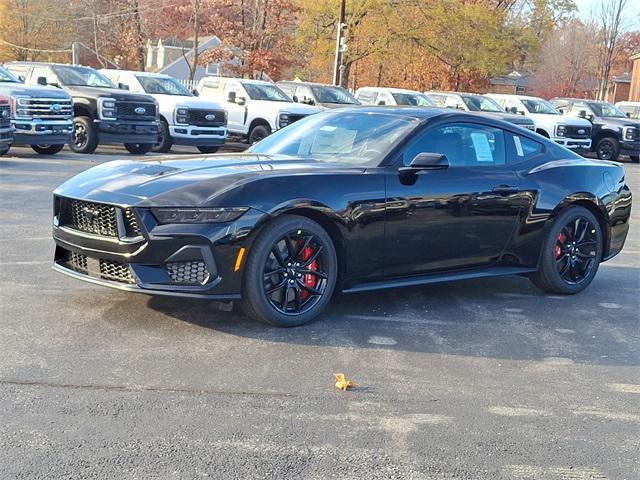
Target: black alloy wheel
[[607, 149], [259, 132], [84, 138], [290, 273], [208, 149], [165, 142], [571, 253], [138, 148], [46, 149]]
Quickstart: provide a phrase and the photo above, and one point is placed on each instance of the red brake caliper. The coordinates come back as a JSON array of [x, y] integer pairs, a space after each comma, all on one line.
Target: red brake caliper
[[309, 279], [558, 249]]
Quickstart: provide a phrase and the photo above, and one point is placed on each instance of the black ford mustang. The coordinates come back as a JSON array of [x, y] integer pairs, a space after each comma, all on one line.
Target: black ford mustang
[[349, 200]]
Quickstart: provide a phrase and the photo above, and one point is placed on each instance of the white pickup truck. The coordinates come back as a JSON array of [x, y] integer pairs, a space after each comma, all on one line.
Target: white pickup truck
[[184, 118], [573, 133], [255, 108]]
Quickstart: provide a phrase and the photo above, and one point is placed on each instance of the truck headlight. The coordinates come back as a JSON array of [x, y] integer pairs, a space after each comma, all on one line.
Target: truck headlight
[[561, 130], [197, 215], [629, 133], [283, 120], [107, 108], [20, 107], [182, 115]]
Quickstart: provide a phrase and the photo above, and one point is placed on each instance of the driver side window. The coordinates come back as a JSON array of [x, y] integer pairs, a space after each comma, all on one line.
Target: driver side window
[[465, 145]]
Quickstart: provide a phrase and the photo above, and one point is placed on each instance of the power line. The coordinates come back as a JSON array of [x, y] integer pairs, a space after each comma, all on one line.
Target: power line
[[35, 49]]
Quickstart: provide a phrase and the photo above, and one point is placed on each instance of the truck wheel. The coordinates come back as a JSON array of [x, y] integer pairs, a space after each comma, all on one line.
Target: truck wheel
[[165, 143], [208, 149], [85, 136], [258, 133], [138, 148], [4, 150], [45, 149], [635, 158], [608, 149]]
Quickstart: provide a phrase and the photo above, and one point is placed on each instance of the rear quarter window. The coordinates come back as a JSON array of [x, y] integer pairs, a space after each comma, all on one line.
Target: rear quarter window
[[523, 148]]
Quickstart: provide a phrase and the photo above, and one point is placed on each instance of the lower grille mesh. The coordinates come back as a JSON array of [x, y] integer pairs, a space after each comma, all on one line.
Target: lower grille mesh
[[188, 273], [115, 271]]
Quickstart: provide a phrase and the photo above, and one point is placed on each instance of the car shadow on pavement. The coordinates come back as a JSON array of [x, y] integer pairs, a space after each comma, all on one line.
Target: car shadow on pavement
[[497, 318]]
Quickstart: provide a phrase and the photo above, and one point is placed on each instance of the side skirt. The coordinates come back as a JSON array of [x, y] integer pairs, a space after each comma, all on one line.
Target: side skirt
[[439, 277]]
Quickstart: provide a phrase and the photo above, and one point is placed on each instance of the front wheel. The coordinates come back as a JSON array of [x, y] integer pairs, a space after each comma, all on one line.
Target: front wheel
[[259, 132], [290, 272], [138, 148], [208, 149], [165, 142], [46, 149], [571, 253], [85, 135], [608, 149]]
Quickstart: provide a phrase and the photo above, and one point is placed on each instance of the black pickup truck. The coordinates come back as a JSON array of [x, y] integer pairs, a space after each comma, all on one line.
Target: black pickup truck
[[103, 113], [613, 133]]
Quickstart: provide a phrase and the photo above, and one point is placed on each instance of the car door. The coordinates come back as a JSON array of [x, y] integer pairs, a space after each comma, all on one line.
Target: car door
[[456, 217], [236, 114]]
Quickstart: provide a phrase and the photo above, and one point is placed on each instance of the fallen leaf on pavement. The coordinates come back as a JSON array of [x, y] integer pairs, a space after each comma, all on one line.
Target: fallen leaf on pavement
[[342, 383]]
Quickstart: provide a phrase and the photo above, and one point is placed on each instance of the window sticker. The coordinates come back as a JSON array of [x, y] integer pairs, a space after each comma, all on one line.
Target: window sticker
[[482, 147], [519, 151]]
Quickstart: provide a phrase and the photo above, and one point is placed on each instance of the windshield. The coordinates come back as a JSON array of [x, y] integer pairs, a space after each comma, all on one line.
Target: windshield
[[326, 94], [359, 139], [412, 99], [5, 76], [259, 91], [607, 110], [162, 86], [82, 77], [539, 106], [476, 103]]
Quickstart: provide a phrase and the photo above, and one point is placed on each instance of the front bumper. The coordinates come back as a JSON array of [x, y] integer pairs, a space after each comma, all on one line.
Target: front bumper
[[198, 136], [630, 147], [6, 136], [39, 132], [183, 260], [573, 143], [120, 131]]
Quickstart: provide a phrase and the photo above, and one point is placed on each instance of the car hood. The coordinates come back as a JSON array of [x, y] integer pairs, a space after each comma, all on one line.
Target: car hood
[[619, 122], [169, 102], [337, 105], [114, 93], [183, 181], [40, 91]]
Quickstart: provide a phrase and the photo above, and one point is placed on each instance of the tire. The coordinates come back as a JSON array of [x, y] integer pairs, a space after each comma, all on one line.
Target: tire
[[85, 136], [608, 148], [47, 149], [558, 255], [290, 302], [208, 149], [635, 158], [258, 133], [138, 148], [4, 150], [165, 143]]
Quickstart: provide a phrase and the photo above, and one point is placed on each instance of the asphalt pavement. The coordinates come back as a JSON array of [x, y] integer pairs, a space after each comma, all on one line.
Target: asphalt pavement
[[486, 379]]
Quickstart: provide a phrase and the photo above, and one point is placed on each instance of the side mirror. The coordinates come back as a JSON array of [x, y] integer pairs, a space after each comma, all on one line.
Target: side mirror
[[241, 101], [123, 86], [512, 110], [21, 78], [628, 114], [42, 81], [195, 93], [425, 161], [382, 102], [582, 114], [308, 101], [295, 99], [232, 97]]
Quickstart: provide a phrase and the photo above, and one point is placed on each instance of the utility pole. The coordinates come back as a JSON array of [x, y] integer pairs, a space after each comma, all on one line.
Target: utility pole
[[337, 70], [196, 29]]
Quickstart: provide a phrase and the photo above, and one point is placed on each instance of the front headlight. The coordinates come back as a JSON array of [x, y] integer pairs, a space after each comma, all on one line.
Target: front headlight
[[20, 107], [283, 120], [182, 115], [629, 133], [561, 130], [107, 108], [198, 215]]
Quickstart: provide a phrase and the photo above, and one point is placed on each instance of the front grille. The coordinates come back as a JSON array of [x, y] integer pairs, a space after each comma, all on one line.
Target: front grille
[[127, 110], [96, 218], [295, 118], [131, 223], [47, 108], [188, 273], [197, 118], [78, 262], [572, 132], [5, 117], [116, 271]]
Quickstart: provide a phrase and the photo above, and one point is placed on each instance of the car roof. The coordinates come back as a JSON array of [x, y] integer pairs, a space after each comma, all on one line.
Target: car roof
[[295, 82], [511, 95], [135, 72], [390, 89], [572, 99]]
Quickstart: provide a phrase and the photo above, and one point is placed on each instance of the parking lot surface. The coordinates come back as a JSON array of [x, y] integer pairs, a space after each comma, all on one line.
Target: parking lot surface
[[487, 379]]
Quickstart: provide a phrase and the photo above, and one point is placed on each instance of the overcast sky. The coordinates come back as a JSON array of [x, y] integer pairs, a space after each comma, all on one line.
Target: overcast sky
[[633, 9]]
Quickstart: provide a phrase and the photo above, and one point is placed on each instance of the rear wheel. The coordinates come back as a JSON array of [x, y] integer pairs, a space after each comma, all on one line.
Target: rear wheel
[[138, 148], [571, 253], [258, 133], [290, 273], [46, 149], [608, 149], [208, 149], [165, 143], [85, 136]]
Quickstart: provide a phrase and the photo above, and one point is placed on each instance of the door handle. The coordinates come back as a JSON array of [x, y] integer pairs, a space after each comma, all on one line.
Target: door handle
[[505, 189]]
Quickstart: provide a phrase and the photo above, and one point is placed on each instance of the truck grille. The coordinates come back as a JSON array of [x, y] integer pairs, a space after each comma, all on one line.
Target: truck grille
[[47, 108], [188, 273], [127, 110], [198, 117], [572, 132], [295, 118], [98, 218], [5, 117]]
